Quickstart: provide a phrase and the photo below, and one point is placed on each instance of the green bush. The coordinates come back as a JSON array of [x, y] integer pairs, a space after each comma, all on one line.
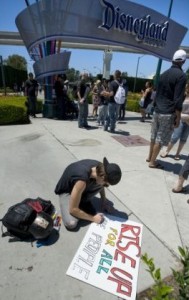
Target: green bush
[[39, 106], [13, 110], [133, 102], [133, 105]]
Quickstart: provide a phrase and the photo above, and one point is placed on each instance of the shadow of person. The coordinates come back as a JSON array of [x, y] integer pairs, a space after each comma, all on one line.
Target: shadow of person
[[171, 167], [94, 206], [121, 132]]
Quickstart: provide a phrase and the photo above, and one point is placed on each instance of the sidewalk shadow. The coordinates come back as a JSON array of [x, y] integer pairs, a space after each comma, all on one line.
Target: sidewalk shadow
[[171, 167], [132, 118], [121, 132], [50, 240], [96, 202], [91, 127], [182, 157]]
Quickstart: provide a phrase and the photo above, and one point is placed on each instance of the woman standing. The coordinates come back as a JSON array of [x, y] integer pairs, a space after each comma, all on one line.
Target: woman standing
[[96, 97], [180, 133], [145, 100]]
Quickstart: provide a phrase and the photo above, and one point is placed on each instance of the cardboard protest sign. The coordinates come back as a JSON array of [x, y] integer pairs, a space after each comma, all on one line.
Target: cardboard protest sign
[[109, 257]]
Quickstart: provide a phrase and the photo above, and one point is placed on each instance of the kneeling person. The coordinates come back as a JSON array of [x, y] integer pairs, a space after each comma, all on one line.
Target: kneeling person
[[79, 183]]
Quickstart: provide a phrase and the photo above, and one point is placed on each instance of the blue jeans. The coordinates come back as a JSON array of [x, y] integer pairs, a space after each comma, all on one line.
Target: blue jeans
[[111, 117], [83, 114], [181, 133]]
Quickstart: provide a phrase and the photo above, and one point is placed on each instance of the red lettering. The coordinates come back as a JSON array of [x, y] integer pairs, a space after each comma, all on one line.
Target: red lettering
[[124, 257], [125, 247], [126, 227], [124, 286], [135, 245]]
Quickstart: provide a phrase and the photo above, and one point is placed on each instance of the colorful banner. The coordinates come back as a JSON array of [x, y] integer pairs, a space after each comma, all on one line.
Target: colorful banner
[[108, 257]]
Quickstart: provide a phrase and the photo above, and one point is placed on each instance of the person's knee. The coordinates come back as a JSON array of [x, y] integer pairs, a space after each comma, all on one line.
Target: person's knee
[[71, 224]]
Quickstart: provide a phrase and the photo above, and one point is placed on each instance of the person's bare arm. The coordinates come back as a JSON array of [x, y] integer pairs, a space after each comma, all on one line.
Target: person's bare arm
[[74, 209], [177, 120]]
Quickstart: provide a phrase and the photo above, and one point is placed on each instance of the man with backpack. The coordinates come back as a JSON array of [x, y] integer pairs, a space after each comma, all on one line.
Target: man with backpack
[[112, 105]]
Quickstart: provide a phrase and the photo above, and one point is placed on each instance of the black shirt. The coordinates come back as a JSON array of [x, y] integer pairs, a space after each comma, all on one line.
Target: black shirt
[[58, 87], [80, 170], [170, 91], [31, 87], [113, 86]]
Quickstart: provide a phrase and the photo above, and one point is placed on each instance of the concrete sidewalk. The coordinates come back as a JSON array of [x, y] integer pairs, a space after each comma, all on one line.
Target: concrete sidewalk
[[32, 159]]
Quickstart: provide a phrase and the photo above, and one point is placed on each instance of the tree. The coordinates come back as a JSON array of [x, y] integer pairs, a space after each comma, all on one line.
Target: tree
[[72, 74], [17, 62], [124, 74]]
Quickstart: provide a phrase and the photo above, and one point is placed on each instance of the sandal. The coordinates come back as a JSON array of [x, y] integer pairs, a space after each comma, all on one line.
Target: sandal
[[157, 166], [183, 190], [164, 155], [177, 157]]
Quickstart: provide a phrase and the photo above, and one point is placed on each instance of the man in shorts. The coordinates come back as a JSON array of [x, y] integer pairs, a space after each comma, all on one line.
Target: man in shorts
[[167, 107]]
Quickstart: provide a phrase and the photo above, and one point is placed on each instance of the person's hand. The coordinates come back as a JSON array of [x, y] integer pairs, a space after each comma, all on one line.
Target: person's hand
[[98, 218], [177, 122], [82, 100]]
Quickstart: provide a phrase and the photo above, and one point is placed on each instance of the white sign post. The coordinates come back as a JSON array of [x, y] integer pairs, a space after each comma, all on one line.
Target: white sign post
[[109, 257]]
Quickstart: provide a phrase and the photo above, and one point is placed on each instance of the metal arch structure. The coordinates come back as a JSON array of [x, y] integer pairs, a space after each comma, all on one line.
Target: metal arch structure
[[14, 39], [47, 26]]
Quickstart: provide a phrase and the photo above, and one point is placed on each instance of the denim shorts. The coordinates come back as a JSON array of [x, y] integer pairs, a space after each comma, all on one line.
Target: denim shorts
[[181, 133]]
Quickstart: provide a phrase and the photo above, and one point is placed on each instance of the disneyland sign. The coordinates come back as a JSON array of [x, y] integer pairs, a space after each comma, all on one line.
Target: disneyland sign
[[143, 29], [99, 23]]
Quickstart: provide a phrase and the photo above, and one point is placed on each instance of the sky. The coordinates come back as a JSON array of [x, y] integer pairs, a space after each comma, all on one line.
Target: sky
[[92, 60]]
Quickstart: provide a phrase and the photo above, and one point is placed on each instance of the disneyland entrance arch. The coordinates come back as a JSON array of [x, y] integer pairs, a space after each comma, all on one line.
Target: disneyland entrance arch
[[47, 24]]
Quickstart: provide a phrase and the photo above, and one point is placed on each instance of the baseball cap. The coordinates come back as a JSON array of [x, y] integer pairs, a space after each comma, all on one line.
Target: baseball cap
[[113, 172], [180, 55]]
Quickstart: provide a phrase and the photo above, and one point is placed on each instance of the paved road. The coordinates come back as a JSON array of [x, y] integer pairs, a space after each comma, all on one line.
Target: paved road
[[32, 158]]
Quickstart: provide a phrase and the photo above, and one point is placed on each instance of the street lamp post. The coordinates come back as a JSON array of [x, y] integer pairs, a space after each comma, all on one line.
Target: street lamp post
[[158, 70], [3, 74], [136, 72]]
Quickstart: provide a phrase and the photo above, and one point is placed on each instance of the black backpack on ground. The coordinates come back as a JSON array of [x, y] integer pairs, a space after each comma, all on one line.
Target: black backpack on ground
[[29, 219]]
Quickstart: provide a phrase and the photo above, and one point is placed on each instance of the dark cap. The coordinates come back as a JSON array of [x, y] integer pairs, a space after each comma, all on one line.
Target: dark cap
[[113, 172]]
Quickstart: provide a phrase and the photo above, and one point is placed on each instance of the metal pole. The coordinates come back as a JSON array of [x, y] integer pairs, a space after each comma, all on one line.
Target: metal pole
[[136, 73], [158, 70], [3, 74]]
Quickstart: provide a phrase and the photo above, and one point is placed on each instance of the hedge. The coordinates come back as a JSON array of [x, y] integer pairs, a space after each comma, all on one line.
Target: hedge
[[13, 110]]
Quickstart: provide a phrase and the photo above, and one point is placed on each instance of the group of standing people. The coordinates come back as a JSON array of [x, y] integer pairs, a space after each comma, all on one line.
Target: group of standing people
[[105, 108]]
